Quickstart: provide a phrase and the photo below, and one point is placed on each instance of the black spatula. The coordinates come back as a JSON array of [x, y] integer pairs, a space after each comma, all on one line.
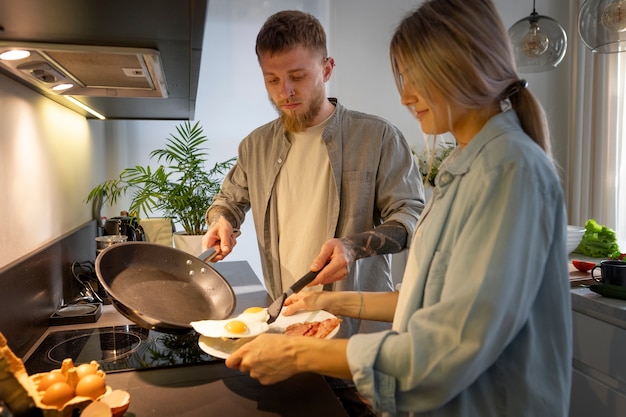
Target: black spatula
[[275, 308]]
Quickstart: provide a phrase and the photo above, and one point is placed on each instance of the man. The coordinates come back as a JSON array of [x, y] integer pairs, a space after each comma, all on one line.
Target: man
[[320, 176]]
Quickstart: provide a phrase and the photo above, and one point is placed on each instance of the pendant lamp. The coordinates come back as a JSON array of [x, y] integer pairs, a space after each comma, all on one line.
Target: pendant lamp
[[539, 43], [602, 25]]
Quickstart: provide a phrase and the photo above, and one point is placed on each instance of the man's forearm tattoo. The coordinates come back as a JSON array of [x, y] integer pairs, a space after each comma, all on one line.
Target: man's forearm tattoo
[[218, 211], [390, 237]]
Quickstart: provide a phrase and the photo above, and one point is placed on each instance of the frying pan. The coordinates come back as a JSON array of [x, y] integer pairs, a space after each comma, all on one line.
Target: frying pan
[[163, 288]]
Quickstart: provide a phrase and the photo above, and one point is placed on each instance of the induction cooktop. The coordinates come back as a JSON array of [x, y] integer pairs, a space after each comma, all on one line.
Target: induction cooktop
[[116, 349]]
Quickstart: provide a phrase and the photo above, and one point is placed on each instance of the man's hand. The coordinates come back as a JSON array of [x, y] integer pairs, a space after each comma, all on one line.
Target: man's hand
[[339, 255], [220, 236], [334, 262]]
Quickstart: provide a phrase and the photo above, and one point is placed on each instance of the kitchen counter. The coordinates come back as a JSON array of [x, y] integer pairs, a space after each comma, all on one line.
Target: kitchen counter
[[609, 310], [215, 390], [599, 355], [589, 303], [212, 389]]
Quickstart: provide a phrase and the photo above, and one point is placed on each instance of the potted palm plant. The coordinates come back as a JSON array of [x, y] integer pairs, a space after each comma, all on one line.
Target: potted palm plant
[[181, 187]]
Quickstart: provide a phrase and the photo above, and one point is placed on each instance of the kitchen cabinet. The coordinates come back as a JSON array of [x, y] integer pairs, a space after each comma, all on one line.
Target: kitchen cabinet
[[95, 44], [599, 355]]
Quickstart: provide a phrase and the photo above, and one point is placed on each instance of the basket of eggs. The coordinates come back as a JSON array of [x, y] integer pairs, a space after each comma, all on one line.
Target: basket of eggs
[[62, 392], [68, 388]]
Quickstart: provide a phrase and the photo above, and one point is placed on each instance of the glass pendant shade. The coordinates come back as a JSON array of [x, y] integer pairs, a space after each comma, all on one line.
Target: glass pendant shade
[[602, 25], [539, 43]]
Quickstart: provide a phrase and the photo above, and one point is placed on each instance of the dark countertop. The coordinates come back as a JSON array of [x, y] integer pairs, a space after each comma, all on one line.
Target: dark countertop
[[215, 390], [212, 389]]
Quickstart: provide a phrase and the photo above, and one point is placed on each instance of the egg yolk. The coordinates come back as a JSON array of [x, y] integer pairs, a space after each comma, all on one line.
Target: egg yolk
[[235, 326], [253, 309]]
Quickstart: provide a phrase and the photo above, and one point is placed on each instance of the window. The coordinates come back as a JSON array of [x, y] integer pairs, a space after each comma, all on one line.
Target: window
[[596, 176], [620, 137]]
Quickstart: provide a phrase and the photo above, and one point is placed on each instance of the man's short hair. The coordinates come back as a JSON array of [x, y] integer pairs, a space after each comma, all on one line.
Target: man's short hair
[[290, 28]]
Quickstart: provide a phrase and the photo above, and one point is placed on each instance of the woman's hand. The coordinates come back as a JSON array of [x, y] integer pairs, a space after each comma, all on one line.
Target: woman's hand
[[268, 358], [305, 300], [272, 358], [379, 306]]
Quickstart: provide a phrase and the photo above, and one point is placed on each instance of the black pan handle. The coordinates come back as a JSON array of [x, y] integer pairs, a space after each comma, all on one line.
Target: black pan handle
[[302, 282]]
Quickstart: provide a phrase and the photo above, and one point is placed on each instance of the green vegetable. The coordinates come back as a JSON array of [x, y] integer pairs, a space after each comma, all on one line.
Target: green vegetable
[[598, 241], [608, 290]]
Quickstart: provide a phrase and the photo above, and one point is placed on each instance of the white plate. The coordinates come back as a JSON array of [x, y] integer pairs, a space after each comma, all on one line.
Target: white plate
[[222, 348]]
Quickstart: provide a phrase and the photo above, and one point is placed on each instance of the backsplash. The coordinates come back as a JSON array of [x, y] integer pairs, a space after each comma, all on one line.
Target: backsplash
[[33, 287]]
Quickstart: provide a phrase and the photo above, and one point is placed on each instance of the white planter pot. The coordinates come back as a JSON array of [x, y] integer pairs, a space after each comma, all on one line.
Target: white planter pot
[[189, 243], [158, 230]]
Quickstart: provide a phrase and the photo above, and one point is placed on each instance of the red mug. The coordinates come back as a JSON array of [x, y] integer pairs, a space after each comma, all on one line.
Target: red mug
[[613, 272]]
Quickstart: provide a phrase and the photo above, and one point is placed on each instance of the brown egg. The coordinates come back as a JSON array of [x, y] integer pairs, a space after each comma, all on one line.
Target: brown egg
[[58, 394], [50, 378], [85, 369], [91, 386]]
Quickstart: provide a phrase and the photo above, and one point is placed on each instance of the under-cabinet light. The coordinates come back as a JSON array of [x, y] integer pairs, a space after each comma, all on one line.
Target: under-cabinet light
[[14, 54], [61, 87], [85, 107]]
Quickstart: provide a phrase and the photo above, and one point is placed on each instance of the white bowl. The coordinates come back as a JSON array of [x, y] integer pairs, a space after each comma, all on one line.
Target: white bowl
[[574, 236]]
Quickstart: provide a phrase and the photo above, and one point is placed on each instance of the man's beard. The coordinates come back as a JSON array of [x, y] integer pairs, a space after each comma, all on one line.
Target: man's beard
[[299, 122]]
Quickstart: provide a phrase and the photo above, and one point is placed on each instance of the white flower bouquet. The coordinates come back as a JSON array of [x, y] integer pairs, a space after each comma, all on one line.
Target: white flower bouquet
[[429, 159]]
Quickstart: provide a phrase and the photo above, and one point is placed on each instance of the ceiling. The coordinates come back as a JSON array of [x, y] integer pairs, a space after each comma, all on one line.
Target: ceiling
[[173, 28]]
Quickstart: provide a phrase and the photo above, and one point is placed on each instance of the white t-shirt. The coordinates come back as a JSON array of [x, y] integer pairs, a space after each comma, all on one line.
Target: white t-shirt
[[302, 189]]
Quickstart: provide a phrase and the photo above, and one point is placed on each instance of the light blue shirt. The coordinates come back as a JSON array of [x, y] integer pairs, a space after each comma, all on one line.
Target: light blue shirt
[[483, 324]]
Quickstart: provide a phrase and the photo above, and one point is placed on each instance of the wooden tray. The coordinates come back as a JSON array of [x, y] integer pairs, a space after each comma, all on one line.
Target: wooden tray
[[577, 278]]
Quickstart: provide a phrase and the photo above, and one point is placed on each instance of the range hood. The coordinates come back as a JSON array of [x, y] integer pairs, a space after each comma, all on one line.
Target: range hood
[[84, 70], [136, 59]]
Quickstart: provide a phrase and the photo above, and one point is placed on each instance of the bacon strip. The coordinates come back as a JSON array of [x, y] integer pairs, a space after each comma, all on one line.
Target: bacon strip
[[327, 326], [319, 329]]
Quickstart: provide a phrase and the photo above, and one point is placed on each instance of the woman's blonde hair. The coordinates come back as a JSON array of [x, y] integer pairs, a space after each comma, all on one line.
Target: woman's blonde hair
[[461, 50]]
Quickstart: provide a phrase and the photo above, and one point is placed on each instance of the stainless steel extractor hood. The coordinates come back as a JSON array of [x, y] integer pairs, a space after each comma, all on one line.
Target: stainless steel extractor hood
[[86, 70], [136, 59]]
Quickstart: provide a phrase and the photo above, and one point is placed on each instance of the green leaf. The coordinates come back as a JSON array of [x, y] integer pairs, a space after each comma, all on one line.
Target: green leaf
[[181, 187]]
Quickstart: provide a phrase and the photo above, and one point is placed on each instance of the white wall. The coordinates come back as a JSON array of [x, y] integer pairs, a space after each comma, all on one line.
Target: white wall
[[359, 40], [50, 157], [232, 99], [46, 159]]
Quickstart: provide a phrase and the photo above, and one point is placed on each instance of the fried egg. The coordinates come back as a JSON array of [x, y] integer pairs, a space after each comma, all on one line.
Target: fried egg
[[251, 322], [255, 314]]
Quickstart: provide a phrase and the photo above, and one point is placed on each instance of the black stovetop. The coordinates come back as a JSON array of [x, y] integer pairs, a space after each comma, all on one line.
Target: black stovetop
[[118, 348]]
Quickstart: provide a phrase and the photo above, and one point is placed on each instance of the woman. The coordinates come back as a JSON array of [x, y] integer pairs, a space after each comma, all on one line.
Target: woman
[[482, 323]]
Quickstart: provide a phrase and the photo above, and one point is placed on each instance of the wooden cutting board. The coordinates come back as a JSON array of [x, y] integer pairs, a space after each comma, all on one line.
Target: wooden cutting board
[[577, 278]]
